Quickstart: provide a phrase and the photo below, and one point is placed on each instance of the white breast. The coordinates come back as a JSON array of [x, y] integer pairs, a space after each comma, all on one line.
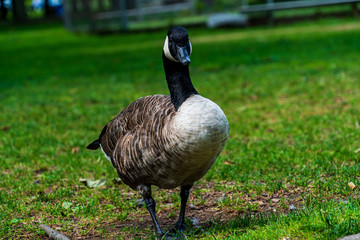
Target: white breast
[[202, 122], [198, 135]]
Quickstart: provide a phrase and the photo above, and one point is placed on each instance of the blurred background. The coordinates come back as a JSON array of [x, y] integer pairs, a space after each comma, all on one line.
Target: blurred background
[[286, 74], [124, 15]]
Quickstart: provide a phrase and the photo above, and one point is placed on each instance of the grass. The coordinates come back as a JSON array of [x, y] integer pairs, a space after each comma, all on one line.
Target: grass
[[291, 95]]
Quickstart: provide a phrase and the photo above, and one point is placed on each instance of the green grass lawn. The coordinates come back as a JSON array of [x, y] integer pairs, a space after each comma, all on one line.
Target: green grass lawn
[[291, 95]]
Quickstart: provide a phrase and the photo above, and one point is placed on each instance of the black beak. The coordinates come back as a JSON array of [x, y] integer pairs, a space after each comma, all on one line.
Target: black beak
[[183, 55]]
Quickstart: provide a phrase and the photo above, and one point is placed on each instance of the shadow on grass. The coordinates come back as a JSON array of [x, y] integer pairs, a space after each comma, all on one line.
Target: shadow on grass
[[325, 218]]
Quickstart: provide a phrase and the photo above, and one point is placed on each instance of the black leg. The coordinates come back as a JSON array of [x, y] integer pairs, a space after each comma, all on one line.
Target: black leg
[[184, 194], [145, 191]]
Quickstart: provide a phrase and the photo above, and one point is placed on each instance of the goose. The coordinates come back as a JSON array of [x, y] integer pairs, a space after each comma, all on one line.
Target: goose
[[166, 140]]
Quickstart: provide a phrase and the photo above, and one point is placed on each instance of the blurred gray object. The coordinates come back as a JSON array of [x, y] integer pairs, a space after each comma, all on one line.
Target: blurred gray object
[[272, 6], [227, 20], [351, 237]]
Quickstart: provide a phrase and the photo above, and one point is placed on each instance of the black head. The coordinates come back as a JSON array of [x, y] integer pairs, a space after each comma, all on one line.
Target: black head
[[177, 45]]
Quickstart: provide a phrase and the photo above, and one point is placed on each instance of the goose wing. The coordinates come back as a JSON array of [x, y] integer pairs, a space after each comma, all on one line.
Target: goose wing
[[132, 117]]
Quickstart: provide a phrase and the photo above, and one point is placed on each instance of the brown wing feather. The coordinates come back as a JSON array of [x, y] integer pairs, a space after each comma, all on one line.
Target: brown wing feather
[[132, 117], [141, 153]]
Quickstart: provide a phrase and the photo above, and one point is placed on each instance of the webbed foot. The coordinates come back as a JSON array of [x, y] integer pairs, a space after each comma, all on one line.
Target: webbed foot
[[179, 227], [177, 235]]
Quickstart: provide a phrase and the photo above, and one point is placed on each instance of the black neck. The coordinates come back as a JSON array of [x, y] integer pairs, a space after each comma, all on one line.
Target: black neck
[[179, 82]]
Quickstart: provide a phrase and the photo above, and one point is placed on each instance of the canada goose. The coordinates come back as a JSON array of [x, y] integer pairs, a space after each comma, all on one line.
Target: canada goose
[[167, 141]]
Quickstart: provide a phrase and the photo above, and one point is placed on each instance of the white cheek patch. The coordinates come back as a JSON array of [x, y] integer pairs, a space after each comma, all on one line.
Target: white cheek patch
[[167, 50], [190, 48]]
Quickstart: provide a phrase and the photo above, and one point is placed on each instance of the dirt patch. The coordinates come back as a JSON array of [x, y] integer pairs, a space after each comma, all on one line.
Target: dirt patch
[[207, 203]]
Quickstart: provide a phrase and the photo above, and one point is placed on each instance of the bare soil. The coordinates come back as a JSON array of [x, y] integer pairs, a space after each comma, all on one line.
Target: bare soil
[[282, 201]]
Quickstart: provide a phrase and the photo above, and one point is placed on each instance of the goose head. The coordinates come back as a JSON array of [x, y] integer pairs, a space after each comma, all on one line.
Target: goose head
[[177, 46]]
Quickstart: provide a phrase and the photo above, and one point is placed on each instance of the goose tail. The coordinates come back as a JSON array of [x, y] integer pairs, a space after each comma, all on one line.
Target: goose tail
[[94, 145]]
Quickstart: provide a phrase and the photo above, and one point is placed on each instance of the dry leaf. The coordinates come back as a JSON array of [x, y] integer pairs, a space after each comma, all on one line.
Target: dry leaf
[[93, 184], [66, 205], [75, 150], [5, 128], [357, 150], [351, 185], [228, 163], [260, 203]]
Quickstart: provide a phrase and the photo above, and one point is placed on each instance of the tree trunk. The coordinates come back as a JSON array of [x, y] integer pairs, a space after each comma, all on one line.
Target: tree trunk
[[49, 11], [3, 10], [131, 4], [47, 8], [19, 10], [101, 5], [115, 4]]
